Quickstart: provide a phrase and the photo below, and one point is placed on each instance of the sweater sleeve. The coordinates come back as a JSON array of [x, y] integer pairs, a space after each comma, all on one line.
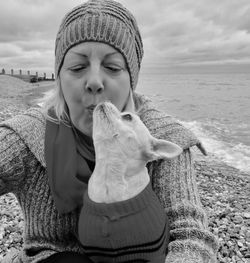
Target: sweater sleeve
[[175, 184], [12, 158]]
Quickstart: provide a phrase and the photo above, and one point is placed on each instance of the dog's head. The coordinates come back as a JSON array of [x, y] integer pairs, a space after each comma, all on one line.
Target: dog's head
[[126, 135]]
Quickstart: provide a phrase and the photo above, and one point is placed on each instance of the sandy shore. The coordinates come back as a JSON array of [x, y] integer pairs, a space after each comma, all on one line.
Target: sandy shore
[[224, 191], [17, 95]]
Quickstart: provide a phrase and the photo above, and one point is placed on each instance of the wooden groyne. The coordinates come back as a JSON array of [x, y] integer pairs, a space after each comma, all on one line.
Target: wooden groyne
[[27, 76]]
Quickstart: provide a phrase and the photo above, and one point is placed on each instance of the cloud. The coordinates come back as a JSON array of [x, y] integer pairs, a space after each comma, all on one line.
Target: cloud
[[174, 32], [27, 19], [199, 32], [27, 32], [9, 50]]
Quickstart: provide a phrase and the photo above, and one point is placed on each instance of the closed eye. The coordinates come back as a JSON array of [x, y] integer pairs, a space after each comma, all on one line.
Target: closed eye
[[127, 117], [78, 68], [113, 69]]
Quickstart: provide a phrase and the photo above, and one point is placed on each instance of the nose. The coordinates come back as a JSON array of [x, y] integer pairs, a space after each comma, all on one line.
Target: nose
[[94, 82]]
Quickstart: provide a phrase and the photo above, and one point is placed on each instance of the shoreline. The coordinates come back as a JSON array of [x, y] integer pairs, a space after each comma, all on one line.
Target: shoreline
[[224, 192], [39, 91]]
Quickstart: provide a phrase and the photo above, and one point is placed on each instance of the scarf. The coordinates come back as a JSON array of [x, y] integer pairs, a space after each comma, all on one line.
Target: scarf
[[70, 157], [70, 160]]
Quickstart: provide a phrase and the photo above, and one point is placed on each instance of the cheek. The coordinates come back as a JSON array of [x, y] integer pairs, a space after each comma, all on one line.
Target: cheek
[[119, 99], [119, 92], [71, 91]]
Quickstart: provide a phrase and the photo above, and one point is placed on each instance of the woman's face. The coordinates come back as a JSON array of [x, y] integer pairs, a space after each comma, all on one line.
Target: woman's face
[[91, 73]]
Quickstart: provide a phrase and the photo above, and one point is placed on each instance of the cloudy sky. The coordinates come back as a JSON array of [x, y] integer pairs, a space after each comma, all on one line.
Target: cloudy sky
[[179, 36]]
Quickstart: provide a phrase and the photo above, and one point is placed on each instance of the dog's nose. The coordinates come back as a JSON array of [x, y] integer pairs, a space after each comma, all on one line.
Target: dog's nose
[[108, 109], [105, 105], [101, 107]]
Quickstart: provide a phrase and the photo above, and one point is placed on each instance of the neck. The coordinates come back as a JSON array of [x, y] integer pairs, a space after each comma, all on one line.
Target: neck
[[112, 181]]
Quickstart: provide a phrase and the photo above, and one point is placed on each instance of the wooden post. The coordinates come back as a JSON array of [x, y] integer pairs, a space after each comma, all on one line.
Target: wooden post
[[44, 74], [20, 72], [37, 74], [12, 72], [3, 71], [53, 77], [28, 72]]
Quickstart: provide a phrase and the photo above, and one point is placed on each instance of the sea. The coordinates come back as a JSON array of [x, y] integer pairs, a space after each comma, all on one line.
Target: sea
[[216, 107]]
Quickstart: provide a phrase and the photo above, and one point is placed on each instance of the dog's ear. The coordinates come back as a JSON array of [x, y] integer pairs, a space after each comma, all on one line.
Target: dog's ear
[[162, 149]]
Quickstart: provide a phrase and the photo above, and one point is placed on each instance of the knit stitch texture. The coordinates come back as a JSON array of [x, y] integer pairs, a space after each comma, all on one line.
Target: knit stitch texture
[[104, 21], [23, 172], [134, 230]]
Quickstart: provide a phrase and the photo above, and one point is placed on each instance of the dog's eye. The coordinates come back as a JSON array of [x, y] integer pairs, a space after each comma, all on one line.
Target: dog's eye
[[127, 117]]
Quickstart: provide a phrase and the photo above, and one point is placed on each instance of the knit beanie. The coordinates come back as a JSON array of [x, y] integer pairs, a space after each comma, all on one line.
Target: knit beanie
[[104, 21]]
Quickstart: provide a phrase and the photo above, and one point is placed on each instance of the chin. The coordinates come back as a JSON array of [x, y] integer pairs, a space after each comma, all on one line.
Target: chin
[[87, 130]]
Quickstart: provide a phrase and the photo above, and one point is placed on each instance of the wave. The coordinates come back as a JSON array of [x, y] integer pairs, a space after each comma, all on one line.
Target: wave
[[235, 154]]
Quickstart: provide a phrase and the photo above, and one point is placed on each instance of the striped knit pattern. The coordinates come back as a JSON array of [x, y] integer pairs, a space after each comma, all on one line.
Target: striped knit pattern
[[135, 230], [23, 172], [103, 21]]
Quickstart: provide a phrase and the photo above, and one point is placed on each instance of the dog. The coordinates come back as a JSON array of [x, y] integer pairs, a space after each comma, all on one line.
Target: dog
[[122, 219]]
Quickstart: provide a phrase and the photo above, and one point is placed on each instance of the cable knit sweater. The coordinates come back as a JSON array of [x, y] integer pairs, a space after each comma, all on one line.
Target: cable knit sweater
[[23, 172]]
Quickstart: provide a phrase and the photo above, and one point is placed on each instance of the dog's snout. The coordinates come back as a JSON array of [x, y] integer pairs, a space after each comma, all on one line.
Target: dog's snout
[[99, 106], [103, 105], [106, 107]]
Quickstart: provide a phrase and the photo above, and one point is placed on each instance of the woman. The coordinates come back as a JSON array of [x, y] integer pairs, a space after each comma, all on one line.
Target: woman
[[47, 155]]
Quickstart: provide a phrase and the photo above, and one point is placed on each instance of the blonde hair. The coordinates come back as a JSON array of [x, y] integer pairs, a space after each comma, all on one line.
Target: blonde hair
[[54, 101]]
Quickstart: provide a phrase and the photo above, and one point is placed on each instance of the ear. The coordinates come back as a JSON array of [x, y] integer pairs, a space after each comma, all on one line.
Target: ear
[[162, 149]]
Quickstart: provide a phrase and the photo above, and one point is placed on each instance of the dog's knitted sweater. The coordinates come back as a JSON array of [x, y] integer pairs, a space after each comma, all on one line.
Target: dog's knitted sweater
[[134, 230], [23, 172]]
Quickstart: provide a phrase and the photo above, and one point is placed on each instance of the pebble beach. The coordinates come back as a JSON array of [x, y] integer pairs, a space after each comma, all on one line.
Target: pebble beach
[[224, 190]]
